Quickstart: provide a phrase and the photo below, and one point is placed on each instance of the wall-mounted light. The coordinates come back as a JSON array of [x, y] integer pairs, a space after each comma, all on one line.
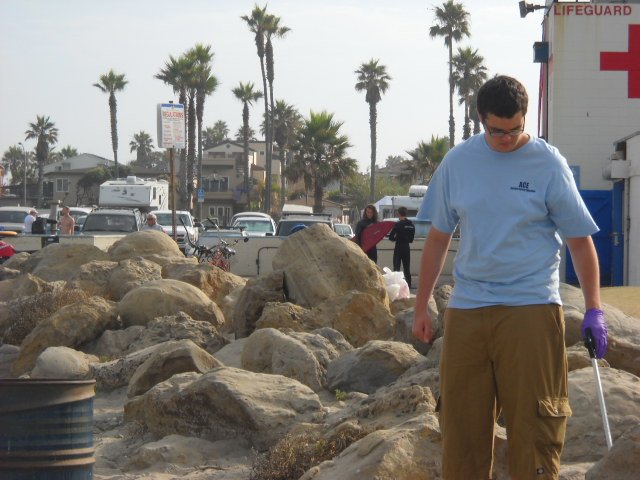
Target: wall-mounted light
[[526, 8]]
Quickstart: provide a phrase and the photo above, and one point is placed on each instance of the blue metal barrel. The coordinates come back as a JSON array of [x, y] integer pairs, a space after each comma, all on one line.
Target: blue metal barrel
[[46, 429]]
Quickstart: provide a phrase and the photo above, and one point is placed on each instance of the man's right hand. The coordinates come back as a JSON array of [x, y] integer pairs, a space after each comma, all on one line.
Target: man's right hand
[[422, 326]]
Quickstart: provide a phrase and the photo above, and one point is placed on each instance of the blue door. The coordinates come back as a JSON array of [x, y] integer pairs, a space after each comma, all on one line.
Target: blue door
[[599, 203]]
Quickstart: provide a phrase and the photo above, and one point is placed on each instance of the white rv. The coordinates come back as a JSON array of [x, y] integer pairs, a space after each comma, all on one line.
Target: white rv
[[135, 192], [388, 206]]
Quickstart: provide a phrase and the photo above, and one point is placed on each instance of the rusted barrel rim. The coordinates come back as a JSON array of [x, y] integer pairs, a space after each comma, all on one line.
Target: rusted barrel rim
[[20, 394]]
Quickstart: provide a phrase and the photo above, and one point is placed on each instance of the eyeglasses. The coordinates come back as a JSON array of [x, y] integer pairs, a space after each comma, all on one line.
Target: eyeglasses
[[496, 132]]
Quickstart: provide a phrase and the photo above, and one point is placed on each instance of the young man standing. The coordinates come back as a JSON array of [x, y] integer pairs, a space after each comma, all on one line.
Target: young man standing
[[402, 233], [67, 222], [513, 196]]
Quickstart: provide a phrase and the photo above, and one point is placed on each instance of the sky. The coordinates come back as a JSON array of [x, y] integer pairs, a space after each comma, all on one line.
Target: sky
[[52, 52]]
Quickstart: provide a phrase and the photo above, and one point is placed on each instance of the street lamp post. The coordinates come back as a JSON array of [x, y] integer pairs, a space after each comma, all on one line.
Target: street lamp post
[[25, 172]]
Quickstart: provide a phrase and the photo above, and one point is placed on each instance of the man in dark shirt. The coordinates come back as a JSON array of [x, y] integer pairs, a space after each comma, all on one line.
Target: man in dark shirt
[[403, 233]]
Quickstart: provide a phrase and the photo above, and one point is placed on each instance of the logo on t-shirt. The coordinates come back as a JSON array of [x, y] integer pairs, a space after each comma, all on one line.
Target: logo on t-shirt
[[524, 187]]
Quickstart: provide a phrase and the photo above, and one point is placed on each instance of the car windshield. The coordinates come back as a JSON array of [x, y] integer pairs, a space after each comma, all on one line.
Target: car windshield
[[164, 219], [254, 225], [284, 228], [110, 223], [343, 229]]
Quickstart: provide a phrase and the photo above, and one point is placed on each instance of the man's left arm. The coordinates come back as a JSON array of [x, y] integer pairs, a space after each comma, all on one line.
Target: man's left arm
[[585, 262]]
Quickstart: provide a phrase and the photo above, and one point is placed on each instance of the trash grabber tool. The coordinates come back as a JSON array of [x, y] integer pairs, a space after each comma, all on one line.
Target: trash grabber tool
[[590, 343]]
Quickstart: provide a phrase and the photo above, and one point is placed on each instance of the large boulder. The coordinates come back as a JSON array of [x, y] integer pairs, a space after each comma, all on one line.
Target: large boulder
[[21, 286], [63, 362], [286, 315], [118, 343], [170, 358], [359, 316], [70, 326], [319, 265], [585, 440], [62, 261], [225, 403], [622, 462], [131, 273], [253, 298], [302, 356], [164, 297], [93, 278], [213, 281], [144, 243], [368, 368]]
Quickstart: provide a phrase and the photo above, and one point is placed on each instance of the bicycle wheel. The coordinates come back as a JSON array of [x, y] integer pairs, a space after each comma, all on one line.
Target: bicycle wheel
[[218, 260]]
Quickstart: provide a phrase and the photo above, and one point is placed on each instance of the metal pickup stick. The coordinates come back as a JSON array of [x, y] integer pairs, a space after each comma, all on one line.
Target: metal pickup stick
[[590, 343]]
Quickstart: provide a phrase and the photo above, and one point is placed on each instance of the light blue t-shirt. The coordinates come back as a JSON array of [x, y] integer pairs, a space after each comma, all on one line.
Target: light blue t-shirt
[[512, 208]]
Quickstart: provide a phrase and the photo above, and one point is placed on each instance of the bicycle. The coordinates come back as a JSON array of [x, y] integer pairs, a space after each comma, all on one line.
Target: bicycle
[[218, 255]]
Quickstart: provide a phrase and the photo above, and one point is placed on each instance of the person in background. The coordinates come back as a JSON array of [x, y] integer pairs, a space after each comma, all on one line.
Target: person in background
[[514, 198], [152, 223], [370, 217], [402, 234], [66, 222], [29, 219]]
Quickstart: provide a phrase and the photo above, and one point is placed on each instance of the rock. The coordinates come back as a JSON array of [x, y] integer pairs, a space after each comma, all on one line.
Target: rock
[[70, 326], [622, 462], [358, 316], [404, 324], [160, 298], [168, 359], [286, 315], [225, 403], [302, 356], [368, 368], [93, 278], [130, 274], [410, 451], [17, 262], [21, 286], [62, 261], [20, 316], [144, 244], [252, 300], [319, 265], [441, 295], [578, 357], [214, 282], [401, 304], [8, 273], [63, 362], [114, 344], [585, 438]]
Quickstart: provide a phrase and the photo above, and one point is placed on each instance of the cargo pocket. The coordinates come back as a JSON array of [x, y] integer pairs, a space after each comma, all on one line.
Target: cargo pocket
[[554, 407], [553, 413]]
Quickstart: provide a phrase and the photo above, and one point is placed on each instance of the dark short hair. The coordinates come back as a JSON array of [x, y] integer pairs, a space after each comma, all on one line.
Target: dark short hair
[[503, 97], [402, 211]]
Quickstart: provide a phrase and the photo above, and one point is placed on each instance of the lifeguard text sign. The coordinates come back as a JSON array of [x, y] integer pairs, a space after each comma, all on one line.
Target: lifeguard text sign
[[171, 131]]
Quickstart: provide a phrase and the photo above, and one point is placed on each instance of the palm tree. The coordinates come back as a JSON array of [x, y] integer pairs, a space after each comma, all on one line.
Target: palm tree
[[46, 133], [205, 84], [426, 157], [374, 80], [273, 30], [111, 83], [258, 22], [473, 112], [215, 135], [251, 134], [245, 93], [142, 144], [468, 76], [452, 24], [14, 160], [175, 73], [286, 121], [320, 155]]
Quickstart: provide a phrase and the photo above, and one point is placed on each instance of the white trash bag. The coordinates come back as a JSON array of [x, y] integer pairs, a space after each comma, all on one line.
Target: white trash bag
[[396, 285]]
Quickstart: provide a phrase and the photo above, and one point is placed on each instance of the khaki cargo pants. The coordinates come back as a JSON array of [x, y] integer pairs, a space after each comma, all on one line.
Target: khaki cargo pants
[[509, 358]]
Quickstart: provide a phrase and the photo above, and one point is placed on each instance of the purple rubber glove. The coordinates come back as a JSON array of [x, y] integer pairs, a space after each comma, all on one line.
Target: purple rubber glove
[[594, 321]]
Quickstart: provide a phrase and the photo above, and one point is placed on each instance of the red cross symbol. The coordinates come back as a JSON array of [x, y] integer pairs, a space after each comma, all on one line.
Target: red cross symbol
[[628, 61]]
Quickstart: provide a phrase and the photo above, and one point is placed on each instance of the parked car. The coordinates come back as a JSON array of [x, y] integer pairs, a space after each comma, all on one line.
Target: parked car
[[249, 214], [184, 225], [12, 218], [289, 221], [255, 226], [344, 230], [113, 220]]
